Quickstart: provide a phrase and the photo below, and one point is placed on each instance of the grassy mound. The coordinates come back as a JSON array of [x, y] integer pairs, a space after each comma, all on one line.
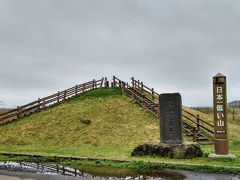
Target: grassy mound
[[99, 118]]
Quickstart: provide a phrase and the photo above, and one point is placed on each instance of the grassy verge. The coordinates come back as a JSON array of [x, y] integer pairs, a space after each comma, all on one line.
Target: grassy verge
[[86, 165], [120, 153]]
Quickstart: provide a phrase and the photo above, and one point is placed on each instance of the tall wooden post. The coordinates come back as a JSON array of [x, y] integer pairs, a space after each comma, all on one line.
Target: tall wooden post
[[220, 115]]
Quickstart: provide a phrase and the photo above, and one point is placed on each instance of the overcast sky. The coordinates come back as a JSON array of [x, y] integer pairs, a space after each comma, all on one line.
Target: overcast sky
[[171, 45]]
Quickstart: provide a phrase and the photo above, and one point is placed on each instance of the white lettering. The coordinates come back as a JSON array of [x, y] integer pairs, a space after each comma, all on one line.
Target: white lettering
[[219, 90], [220, 123], [220, 115], [219, 97], [219, 108]]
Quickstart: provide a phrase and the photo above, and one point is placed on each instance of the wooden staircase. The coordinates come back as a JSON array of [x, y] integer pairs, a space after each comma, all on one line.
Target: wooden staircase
[[193, 126]]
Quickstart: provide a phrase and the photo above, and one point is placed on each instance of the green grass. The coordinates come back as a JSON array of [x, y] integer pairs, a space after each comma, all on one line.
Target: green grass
[[115, 126], [115, 122]]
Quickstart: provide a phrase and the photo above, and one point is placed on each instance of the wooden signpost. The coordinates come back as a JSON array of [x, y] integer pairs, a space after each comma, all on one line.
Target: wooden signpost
[[220, 115], [220, 118]]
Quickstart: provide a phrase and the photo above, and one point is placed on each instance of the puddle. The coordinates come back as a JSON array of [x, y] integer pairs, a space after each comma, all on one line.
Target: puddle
[[39, 168], [109, 173], [37, 171]]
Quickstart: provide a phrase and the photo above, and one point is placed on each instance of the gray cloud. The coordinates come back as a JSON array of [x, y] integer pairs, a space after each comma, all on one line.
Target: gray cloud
[[174, 46]]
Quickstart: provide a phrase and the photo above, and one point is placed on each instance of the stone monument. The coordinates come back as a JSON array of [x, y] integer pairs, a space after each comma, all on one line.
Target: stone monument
[[220, 118], [171, 138], [171, 118]]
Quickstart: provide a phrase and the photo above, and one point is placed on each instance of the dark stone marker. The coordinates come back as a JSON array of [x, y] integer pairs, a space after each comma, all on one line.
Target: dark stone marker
[[171, 118]]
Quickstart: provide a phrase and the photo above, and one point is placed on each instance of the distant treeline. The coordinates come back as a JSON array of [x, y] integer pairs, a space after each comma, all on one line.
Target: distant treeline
[[234, 104]]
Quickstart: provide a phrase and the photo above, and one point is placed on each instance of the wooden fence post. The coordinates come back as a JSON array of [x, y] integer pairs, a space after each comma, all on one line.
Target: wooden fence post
[[83, 89], [123, 86], [64, 96], [133, 96], [43, 105], [105, 79], [93, 83], [133, 82], [102, 82], [58, 96], [106, 82], [39, 100], [114, 81], [142, 87], [198, 123], [194, 134], [153, 94], [76, 89], [63, 170], [18, 112], [138, 83]]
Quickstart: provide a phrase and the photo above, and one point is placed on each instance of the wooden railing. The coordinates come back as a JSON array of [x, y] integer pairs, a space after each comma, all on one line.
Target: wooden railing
[[42, 103], [198, 122], [149, 92], [137, 95], [149, 99]]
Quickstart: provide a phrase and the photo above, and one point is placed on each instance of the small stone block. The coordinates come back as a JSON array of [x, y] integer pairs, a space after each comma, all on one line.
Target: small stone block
[[230, 157]]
